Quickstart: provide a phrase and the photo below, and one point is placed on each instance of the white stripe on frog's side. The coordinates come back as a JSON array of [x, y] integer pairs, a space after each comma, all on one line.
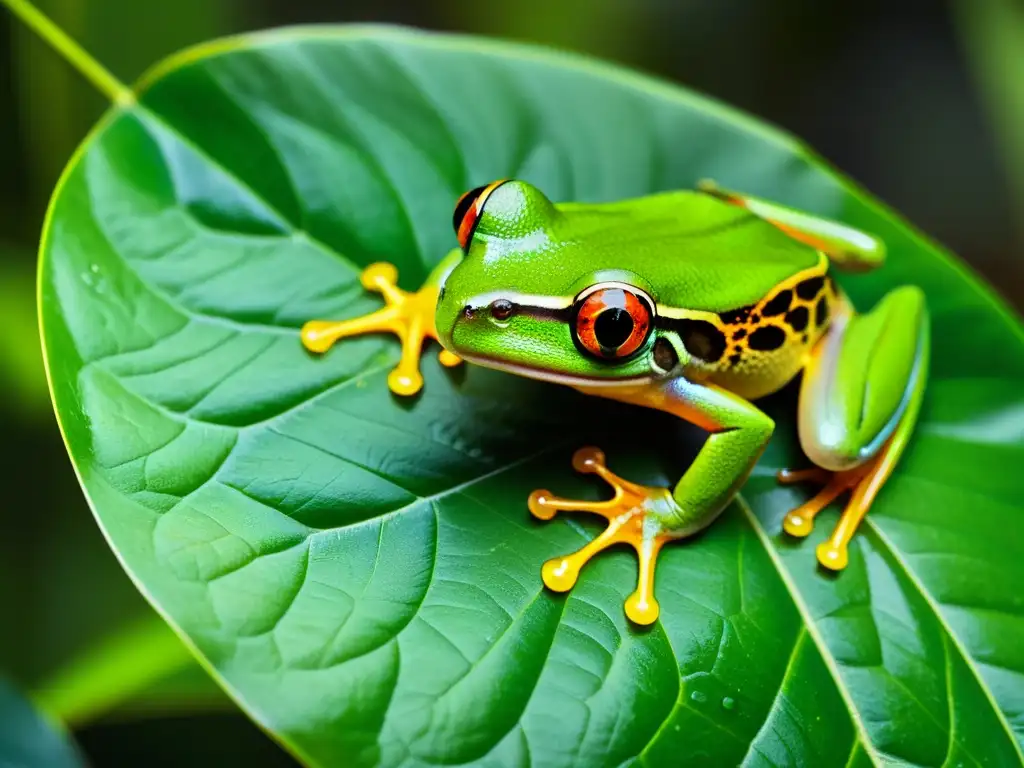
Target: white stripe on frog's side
[[549, 303], [556, 378]]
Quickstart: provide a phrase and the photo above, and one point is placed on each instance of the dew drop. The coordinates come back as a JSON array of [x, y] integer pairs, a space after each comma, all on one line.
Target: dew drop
[[698, 697], [728, 702], [95, 268]]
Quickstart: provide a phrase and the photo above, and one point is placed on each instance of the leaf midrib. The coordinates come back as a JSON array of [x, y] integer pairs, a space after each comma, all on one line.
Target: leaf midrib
[[812, 629]]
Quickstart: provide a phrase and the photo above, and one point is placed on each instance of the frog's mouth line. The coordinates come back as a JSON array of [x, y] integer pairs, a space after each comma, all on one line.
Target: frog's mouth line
[[519, 369]]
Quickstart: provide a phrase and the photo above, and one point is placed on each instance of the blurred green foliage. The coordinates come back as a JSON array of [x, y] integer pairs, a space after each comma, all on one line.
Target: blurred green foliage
[[21, 364], [992, 32]]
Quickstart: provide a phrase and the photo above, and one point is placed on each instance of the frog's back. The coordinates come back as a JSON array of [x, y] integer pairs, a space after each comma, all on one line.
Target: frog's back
[[707, 255]]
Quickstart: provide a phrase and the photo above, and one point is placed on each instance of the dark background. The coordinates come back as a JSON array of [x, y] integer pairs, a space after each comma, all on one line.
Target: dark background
[[920, 102]]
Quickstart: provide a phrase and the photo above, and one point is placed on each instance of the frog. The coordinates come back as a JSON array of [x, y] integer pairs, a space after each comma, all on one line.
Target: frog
[[697, 302]]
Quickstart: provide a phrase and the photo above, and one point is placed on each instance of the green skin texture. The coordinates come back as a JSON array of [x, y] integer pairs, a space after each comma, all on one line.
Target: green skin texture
[[688, 251]]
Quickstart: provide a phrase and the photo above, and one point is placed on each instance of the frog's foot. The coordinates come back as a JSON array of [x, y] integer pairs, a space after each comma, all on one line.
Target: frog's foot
[[634, 517], [410, 316], [863, 481]]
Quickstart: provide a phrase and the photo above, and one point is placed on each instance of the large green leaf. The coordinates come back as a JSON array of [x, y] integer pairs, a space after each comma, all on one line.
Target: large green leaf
[[362, 571], [26, 739]]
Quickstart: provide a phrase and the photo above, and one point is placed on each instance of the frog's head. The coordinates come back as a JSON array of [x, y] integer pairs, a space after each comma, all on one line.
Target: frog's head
[[536, 293]]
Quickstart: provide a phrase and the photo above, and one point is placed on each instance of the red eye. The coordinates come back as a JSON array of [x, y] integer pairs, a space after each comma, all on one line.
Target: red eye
[[468, 210], [613, 322]]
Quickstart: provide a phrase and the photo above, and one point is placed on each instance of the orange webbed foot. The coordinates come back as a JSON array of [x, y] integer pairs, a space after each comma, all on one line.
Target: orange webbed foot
[[833, 552], [410, 316], [632, 519]]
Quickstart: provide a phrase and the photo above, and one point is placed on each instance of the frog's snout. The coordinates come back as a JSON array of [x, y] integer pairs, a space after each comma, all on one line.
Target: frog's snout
[[466, 318]]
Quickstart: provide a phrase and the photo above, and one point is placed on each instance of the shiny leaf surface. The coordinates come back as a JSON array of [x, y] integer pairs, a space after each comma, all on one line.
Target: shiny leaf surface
[[361, 571]]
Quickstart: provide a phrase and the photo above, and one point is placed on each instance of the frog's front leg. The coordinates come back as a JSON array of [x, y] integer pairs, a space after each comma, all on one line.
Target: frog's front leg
[[859, 400], [648, 517], [410, 316]]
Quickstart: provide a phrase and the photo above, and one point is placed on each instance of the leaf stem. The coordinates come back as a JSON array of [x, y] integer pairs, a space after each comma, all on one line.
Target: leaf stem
[[75, 54]]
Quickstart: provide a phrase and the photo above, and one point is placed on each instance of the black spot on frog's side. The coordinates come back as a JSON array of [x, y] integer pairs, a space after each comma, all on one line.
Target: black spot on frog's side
[[798, 318], [767, 338], [735, 316], [664, 355], [739, 334], [809, 288], [779, 304], [734, 358], [821, 312], [702, 339]]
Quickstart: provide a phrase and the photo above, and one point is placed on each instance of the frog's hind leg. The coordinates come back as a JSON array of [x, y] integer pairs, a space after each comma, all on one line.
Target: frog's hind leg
[[846, 247], [859, 401]]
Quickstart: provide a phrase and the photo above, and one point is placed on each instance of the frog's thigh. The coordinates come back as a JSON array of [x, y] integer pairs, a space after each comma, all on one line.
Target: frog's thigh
[[866, 375]]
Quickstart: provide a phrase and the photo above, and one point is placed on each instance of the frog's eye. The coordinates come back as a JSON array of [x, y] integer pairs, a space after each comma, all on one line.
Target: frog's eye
[[468, 210], [613, 321]]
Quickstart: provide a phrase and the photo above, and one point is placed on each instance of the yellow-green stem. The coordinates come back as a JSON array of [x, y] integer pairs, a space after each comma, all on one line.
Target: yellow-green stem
[[77, 56]]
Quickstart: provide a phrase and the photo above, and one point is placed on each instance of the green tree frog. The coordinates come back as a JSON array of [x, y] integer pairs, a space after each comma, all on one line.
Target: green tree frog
[[693, 302]]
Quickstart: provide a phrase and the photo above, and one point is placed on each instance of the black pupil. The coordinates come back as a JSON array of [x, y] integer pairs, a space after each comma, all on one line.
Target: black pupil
[[612, 327], [464, 205]]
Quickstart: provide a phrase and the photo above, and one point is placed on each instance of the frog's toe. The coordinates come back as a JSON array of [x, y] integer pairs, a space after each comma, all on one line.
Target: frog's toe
[[560, 573], [798, 524], [632, 519], [642, 608], [405, 382], [448, 359], [540, 504], [378, 274], [811, 475], [800, 521], [833, 556], [588, 459]]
